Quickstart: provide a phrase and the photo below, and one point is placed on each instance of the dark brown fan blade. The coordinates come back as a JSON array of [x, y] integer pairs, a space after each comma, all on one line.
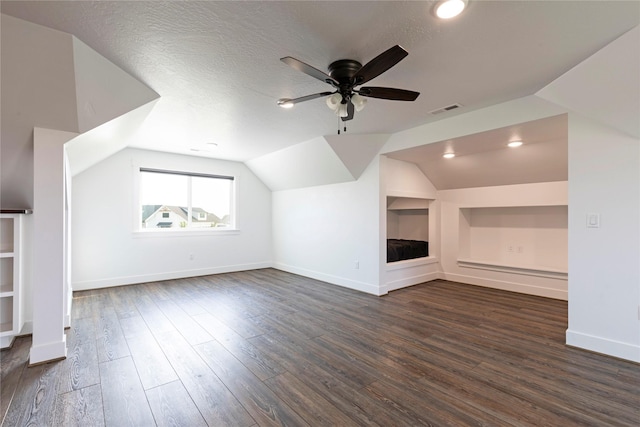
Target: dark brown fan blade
[[303, 98], [308, 69], [388, 93], [350, 110], [379, 64]]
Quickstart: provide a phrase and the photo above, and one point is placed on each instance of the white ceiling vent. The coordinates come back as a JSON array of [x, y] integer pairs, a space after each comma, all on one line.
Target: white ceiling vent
[[445, 109]]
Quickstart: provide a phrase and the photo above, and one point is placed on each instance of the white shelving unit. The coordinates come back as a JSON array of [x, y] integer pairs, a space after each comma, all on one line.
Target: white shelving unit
[[407, 218], [11, 313], [529, 240]]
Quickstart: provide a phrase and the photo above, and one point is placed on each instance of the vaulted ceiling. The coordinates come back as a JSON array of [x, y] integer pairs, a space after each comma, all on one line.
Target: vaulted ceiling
[[216, 64]]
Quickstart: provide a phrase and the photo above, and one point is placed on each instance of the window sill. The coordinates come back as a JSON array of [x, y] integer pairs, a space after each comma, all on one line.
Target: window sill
[[185, 233]]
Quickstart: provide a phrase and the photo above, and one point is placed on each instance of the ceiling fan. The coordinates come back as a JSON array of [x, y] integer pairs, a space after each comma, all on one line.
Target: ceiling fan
[[345, 75]]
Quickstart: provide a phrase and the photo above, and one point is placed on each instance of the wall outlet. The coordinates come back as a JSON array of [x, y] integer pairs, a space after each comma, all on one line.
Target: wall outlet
[[191, 257], [356, 265], [593, 220], [510, 248], [520, 249]]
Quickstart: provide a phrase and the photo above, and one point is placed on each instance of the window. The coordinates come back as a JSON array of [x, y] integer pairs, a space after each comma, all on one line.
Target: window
[[183, 200]]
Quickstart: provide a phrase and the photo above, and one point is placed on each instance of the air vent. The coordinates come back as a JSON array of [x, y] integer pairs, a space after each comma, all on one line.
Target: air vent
[[445, 109]]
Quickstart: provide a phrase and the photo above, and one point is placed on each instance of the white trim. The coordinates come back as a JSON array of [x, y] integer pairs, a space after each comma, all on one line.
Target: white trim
[[27, 328], [156, 277], [334, 280], [522, 288], [48, 352], [528, 270], [410, 194], [408, 263], [414, 280], [606, 346]]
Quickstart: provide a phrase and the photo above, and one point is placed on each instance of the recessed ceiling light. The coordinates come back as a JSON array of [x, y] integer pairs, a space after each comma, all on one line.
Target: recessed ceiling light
[[448, 155], [285, 103], [447, 9], [514, 144]]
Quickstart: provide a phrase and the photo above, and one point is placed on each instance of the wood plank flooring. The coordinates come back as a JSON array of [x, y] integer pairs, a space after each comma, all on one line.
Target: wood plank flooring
[[265, 348]]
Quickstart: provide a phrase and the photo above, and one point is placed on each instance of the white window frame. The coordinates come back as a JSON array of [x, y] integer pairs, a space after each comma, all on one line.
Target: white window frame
[[138, 231]]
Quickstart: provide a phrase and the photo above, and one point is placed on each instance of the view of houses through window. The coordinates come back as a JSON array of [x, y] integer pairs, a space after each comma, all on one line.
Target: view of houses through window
[[183, 200]]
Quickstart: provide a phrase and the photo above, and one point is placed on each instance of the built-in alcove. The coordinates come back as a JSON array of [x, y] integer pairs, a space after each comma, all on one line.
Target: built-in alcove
[[525, 239], [408, 220]]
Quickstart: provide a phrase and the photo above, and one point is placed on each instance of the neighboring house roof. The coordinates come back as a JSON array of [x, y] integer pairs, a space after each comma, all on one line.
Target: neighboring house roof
[[181, 212], [195, 212], [148, 210]]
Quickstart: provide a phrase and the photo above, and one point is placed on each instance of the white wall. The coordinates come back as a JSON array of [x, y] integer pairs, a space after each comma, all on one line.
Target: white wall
[[408, 224], [38, 90], [322, 231], [531, 236], [604, 263], [451, 202], [306, 164], [604, 87], [103, 90], [107, 252], [604, 165], [406, 180]]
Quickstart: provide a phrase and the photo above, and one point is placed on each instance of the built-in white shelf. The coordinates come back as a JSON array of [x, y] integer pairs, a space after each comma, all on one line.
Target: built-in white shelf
[[530, 270], [6, 290], [415, 262], [526, 240], [11, 313], [408, 218]]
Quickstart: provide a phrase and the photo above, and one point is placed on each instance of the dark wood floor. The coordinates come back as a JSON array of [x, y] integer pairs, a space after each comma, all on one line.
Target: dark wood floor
[[265, 348]]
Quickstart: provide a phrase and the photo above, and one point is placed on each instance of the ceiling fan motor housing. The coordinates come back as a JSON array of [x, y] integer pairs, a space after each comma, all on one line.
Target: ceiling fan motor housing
[[343, 71]]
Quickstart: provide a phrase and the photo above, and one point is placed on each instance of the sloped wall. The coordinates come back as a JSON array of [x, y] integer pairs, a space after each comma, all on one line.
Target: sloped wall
[[320, 161], [38, 90], [612, 76]]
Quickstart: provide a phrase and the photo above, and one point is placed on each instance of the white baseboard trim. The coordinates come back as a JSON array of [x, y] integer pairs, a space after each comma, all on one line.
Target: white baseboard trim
[[27, 328], [522, 288], [157, 277], [334, 280], [414, 280], [621, 350], [48, 352]]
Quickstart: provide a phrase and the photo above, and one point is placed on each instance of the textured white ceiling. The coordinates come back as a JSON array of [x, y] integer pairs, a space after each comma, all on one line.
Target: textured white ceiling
[[216, 64]]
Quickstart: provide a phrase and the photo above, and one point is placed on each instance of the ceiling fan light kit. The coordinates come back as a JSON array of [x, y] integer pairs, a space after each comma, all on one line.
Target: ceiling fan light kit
[[285, 103], [359, 101], [345, 75]]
